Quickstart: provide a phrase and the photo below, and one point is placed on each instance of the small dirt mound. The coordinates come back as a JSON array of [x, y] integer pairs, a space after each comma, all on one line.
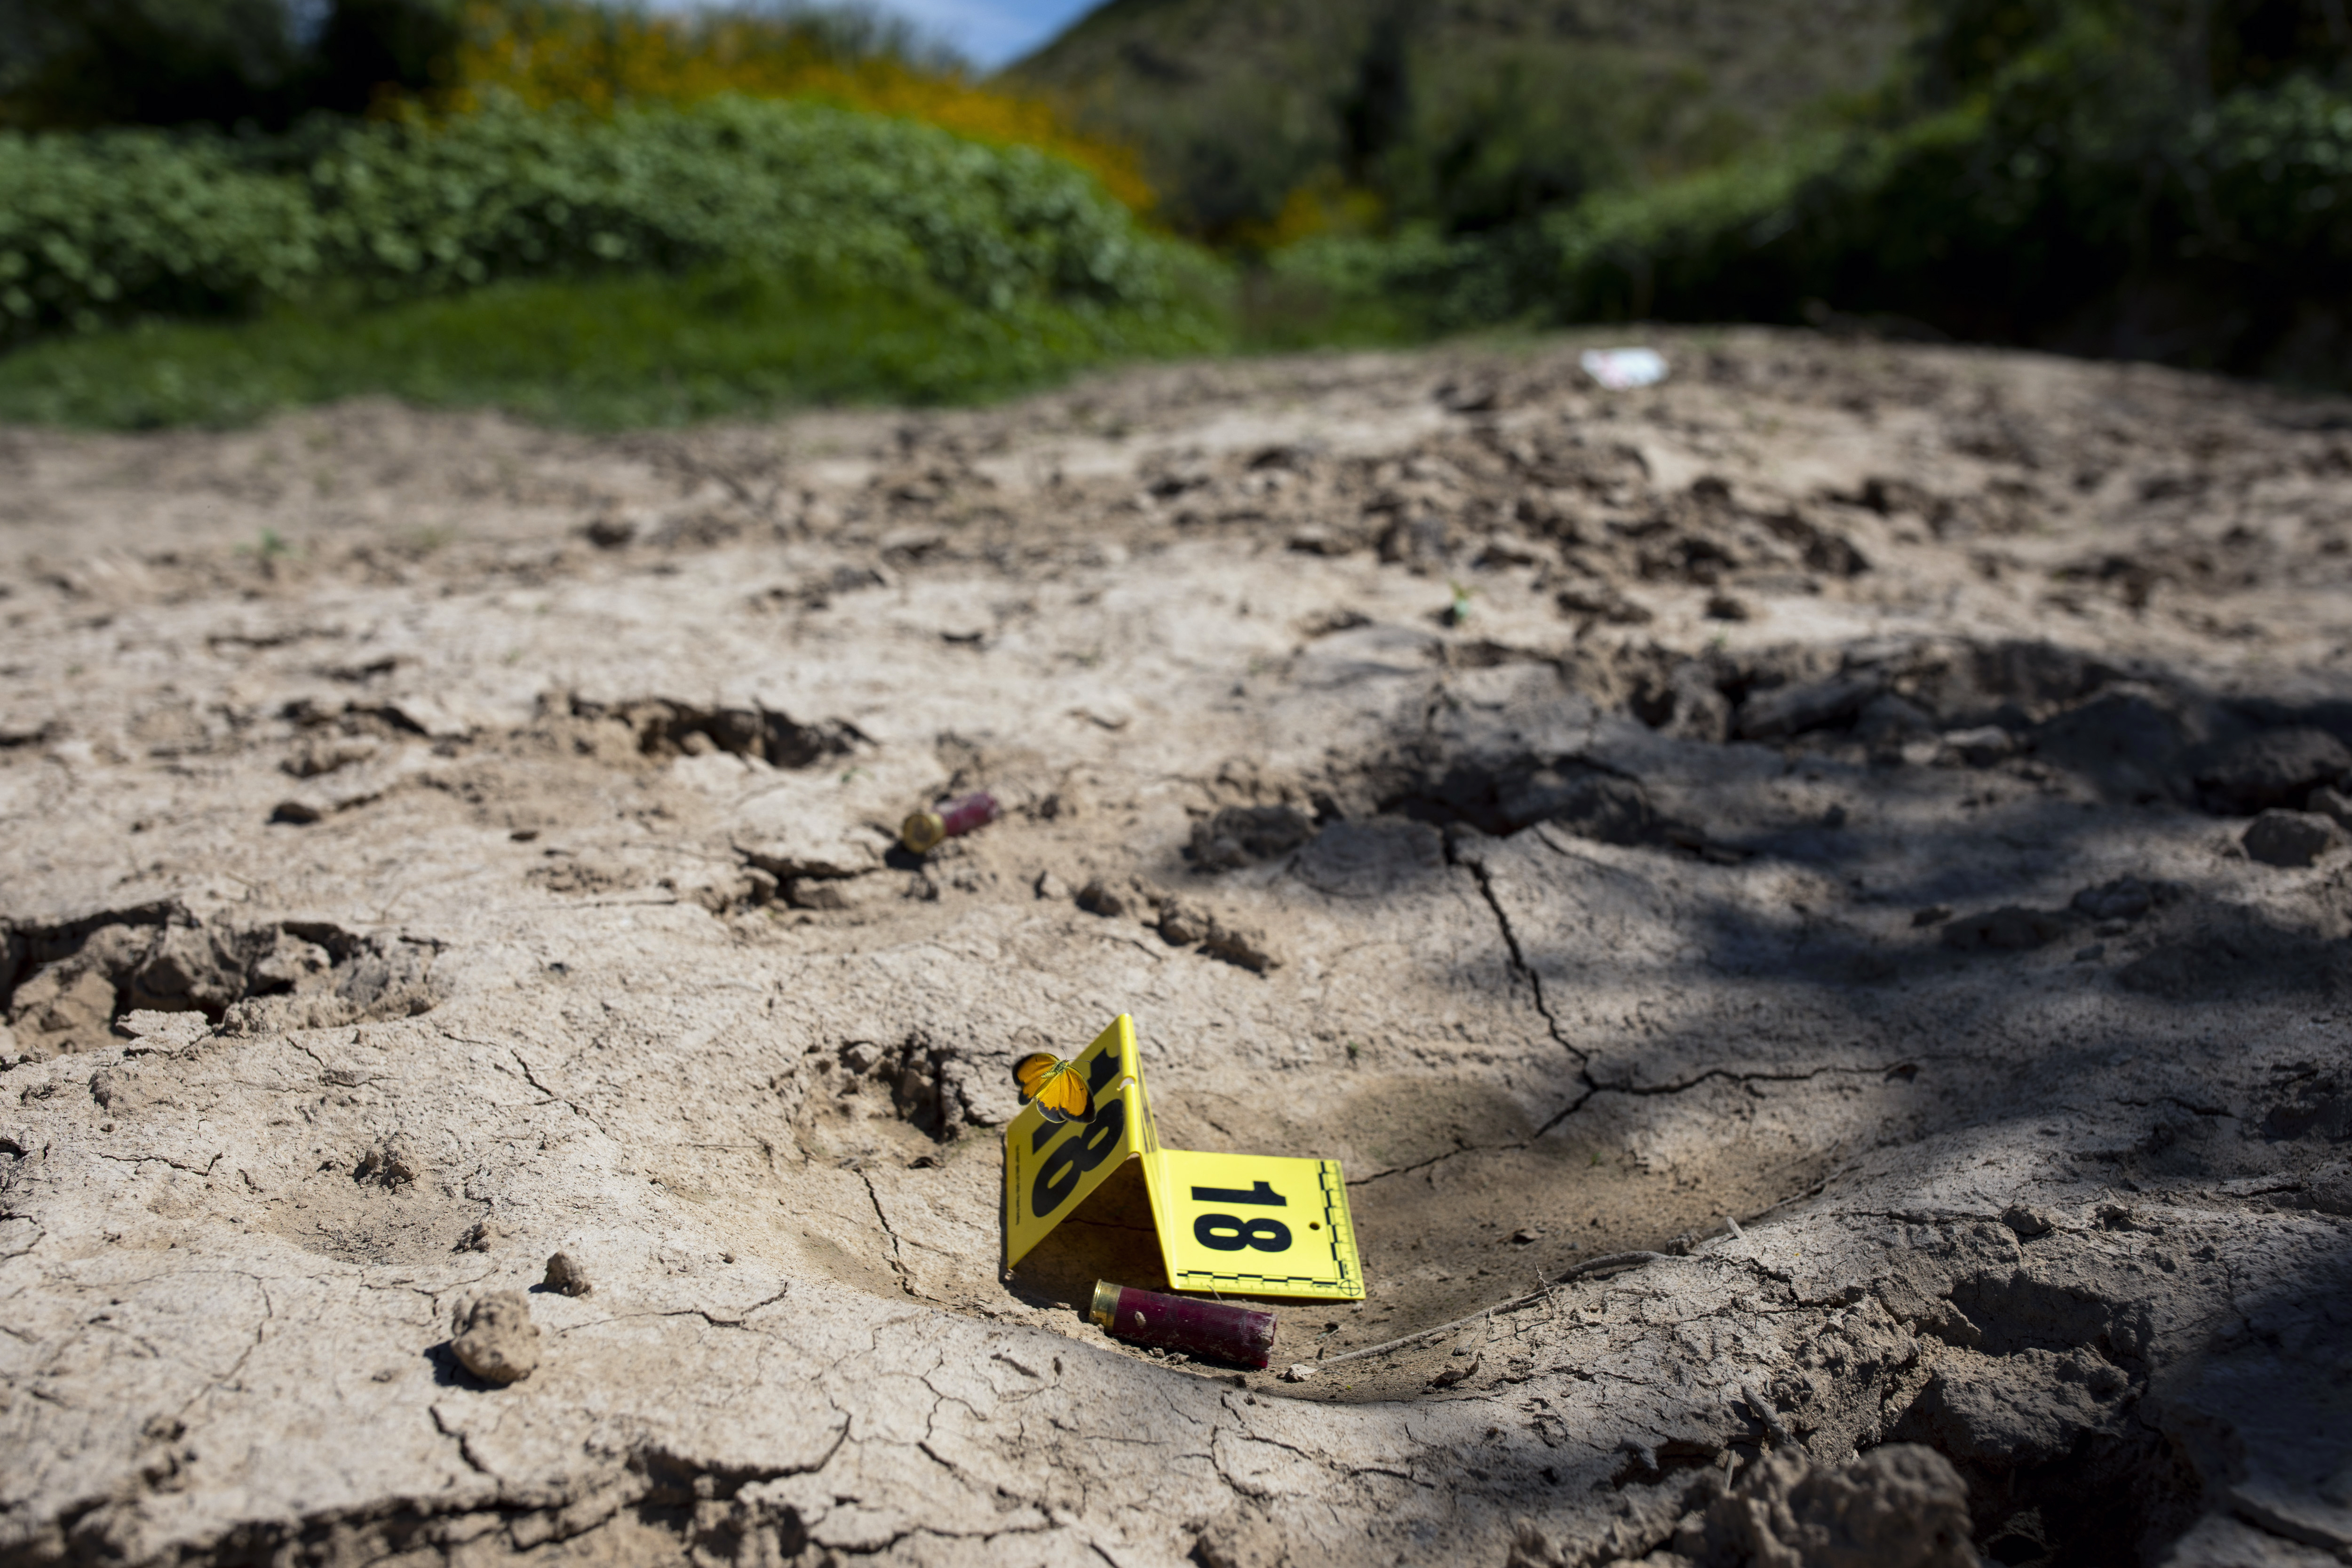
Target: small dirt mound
[[1588, 798], [667, 727], [921, 1079], [2035, 1408], [2268, 769], [1239, 834], [68, 984], [2132, 736], [2009, 929], [1870, 694], [2234, 950]]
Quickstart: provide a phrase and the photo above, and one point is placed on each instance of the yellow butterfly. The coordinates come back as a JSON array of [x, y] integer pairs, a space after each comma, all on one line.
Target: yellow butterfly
[[1057, 1086]]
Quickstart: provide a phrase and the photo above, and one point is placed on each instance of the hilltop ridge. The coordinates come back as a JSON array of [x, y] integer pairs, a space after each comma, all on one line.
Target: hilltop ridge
[[1470, 111]]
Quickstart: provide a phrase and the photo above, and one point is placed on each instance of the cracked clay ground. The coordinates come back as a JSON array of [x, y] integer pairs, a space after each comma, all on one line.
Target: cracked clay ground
[[1831, 977]]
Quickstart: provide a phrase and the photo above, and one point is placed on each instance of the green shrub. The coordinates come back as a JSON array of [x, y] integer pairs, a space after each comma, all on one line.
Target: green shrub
[[134, 221], [116, 225], [2266, 180], [2072, 202]]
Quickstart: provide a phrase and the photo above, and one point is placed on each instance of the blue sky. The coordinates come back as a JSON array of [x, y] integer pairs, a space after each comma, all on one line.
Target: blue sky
[[993, 32]]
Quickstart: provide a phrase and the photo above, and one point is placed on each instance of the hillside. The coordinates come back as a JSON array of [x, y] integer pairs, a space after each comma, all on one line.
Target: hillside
[[1473, 111]]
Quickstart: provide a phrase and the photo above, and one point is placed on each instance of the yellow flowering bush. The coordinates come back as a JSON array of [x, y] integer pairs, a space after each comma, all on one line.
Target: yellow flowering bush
[[554, 52]]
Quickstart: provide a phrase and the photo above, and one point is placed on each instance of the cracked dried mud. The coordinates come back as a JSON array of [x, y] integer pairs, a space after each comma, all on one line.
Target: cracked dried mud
[[1829, 985]]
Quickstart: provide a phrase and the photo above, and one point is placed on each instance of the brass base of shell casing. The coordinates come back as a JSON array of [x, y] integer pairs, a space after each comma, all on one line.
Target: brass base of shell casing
[[922, 832]]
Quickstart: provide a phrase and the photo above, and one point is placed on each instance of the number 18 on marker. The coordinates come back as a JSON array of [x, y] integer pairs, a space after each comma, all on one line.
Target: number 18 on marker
[[1254, 1223], [1250, 1224]]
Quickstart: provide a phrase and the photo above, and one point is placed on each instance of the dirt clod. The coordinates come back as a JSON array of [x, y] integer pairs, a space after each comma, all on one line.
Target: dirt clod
[[1240, 835], [1795, 708], [2013, 927], [565, 1275], [2331, 804], [1182, 924], [496, 1340], [2274, 768], [2124, 899], [1602, 603], [393, 1163], [1901, 1506], [2329, 1189], [2289, 838], [2027, 1220]]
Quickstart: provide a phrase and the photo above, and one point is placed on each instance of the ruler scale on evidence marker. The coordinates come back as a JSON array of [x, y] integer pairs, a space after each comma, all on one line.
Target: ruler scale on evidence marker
[[1258, 1224]]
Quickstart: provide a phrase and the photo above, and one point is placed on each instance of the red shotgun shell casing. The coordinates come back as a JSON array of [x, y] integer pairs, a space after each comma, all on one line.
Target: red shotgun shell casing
[[926, 830], [1242, 1335]]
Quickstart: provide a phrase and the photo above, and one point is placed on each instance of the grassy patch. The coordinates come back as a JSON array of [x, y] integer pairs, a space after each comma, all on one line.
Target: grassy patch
[[1280, 310], [603, 353]]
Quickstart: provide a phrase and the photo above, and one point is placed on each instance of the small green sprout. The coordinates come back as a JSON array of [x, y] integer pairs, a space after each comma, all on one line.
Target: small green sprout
[[1458, 612], [268, 549]]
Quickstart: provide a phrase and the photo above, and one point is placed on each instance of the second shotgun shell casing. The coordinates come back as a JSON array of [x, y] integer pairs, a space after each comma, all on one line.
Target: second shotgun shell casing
[[1242, 1335], [925, 831]]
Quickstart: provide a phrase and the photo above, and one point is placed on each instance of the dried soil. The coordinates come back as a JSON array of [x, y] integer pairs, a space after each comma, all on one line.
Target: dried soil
[[1762, 883]]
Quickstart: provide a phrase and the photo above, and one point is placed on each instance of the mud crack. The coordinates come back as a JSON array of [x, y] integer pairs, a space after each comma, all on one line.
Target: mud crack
[[898, 1262], [1520, 964]]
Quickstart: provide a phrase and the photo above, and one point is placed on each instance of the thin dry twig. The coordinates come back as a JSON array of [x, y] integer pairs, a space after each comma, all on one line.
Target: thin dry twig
[[1610, 1263]]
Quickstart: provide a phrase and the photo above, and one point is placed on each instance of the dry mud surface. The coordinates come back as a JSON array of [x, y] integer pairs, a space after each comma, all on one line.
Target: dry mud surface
[[1802, 966]]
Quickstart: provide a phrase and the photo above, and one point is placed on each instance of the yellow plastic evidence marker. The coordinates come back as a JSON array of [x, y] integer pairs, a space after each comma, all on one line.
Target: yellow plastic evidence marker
[[1259, 1225]]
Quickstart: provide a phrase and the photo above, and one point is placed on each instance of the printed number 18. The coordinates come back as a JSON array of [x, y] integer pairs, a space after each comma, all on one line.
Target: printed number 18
[[1230, 1233], [1262, 1195]]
